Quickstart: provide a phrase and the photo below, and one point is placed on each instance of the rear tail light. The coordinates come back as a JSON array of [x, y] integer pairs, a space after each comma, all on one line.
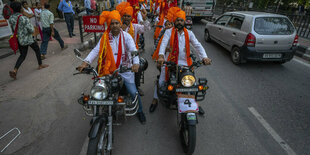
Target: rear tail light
[[295, 40], [250, 40]]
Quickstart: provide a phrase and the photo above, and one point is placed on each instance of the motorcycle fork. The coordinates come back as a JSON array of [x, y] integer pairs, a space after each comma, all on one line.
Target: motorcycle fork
[[110, 124]]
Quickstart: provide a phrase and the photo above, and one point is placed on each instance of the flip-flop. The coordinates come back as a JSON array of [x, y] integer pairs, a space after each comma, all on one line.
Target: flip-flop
[[12, 74], [43, 66]]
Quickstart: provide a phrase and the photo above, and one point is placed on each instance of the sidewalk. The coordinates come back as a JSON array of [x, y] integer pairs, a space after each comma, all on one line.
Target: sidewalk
[[53, 45], [303, 48]]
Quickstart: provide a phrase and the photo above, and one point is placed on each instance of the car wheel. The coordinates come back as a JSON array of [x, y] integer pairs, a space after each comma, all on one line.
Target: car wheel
[[236, 56], [207, 36]]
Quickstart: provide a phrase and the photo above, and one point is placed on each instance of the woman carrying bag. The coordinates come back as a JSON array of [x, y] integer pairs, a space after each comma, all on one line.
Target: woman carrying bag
[[23, 29]]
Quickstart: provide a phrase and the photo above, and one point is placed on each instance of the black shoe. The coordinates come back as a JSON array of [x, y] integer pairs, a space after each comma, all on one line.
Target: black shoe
[[153, 105], [201, 111], [70, 36], [141, 117], [73, 34], [140, 92]]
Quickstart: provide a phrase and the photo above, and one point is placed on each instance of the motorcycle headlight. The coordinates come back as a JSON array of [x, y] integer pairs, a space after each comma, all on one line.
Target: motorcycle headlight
[[99, 91], [188, 80]]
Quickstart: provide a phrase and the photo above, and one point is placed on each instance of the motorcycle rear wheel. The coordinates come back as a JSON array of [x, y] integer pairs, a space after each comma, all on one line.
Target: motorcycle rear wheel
[[188, 137], [93, 144]]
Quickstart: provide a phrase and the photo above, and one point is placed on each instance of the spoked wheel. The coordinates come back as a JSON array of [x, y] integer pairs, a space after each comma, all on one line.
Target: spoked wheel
[[188, 136], [98, 145]]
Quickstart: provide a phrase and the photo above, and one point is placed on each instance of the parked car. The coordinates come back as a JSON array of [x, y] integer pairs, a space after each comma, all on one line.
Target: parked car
[[254, 36]]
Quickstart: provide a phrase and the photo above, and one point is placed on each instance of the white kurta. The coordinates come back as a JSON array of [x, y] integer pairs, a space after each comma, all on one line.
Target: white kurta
[[182, 52], [139, 29], [130, 46], [32, 19], [139, 17], [200, 51]]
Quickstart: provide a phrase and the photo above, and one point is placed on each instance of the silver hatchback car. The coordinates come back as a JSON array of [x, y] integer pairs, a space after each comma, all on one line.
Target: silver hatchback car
[[254, 36]]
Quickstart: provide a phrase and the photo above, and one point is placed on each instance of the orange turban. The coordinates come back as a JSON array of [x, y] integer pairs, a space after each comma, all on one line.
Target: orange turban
[[141, 1], [107, 16], [171, 13], [124, 8], [179, 14]]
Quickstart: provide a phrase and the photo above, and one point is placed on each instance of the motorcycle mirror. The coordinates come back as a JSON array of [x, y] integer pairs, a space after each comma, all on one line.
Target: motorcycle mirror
[[77, 52], [134, 53]]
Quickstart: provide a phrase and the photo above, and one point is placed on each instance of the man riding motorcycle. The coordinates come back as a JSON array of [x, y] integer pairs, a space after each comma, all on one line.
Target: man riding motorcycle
[[113, 50], [126, 12], [178, 39]]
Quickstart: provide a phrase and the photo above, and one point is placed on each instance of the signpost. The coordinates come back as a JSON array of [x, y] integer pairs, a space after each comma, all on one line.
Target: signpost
[[90, 24]]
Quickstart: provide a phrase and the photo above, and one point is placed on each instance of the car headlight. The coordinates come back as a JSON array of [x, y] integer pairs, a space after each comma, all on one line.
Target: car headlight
[[188, 80], [99, 91]]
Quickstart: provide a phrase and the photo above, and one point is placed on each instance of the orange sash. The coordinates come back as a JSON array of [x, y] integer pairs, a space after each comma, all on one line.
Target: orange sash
[[187, 47], [106, 61], [131, 31]]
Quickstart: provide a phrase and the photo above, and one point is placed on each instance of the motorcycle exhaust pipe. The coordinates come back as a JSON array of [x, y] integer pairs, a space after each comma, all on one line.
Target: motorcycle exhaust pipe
[[134, 113], [135, 102]]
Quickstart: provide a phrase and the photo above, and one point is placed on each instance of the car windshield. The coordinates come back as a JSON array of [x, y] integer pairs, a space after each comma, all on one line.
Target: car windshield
[[273, 26]]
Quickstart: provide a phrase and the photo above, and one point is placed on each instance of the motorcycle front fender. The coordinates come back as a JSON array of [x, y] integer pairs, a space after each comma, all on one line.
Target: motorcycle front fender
[[95, 127], [191, 118]]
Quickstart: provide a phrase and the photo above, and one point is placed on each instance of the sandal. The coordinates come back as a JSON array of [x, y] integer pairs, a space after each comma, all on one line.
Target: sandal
[[43, 66], [12, 74]]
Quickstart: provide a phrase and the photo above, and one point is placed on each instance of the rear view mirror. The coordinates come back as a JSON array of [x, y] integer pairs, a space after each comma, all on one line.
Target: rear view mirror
[[134, 53], [77, 52]]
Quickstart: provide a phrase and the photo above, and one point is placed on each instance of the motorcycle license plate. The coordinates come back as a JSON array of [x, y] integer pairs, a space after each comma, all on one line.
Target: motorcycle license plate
[[93, 102], [187, 103], [186, 90]]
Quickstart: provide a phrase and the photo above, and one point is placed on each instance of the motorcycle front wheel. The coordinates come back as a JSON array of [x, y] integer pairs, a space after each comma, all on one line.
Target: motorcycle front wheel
[[94, 144], [188, 136]]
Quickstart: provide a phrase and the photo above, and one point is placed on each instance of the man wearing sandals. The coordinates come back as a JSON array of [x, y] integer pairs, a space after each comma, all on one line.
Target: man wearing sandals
[[25, 39]]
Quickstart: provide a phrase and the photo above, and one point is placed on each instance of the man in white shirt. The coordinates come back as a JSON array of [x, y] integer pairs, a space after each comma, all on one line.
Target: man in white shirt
[[114, 38], [126, 12], [182, 54]]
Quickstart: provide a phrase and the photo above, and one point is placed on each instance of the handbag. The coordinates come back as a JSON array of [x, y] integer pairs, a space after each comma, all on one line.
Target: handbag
[[13, 41]]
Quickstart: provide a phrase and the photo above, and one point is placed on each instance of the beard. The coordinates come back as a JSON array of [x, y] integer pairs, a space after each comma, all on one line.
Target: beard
[[126, 22], [179, 26]]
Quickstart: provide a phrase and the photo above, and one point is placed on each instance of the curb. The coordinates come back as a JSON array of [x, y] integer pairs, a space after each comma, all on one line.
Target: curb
[[302, 51], [90, 43]]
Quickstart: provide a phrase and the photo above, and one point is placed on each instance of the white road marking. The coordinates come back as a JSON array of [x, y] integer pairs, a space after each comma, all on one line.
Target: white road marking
[[272, 132], [84, 147], [302, 62]]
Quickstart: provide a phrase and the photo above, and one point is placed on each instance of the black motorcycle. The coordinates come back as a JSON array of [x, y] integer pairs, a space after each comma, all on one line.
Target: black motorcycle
[[181, 92], [108, 104]]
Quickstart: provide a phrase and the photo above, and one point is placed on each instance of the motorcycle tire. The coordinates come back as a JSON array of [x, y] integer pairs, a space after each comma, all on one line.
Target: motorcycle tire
[[93, 144], [188, 138]]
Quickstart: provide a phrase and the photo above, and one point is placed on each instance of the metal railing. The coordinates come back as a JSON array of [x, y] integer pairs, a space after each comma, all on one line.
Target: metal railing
[[301, 23]]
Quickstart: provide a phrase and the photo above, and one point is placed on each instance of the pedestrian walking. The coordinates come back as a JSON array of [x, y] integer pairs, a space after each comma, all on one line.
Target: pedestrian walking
[[47, 21], [28, 13], [66, 7], [25, 39], [37, 12]]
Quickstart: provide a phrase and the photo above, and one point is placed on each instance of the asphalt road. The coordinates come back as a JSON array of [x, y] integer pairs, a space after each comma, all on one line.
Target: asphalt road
[[42, 104]]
